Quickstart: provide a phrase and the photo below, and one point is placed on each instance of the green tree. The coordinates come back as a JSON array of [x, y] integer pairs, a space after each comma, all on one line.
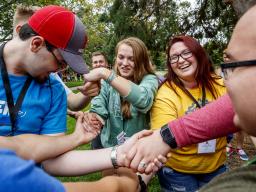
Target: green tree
[[211, 22], [150, 20], [98, 31], [7, 11]]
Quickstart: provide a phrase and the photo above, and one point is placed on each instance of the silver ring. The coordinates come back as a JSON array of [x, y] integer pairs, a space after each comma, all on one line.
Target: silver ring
[[143, 164]]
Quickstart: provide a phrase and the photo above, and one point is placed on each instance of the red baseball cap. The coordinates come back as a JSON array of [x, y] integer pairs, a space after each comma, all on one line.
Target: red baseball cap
[[65, 31]]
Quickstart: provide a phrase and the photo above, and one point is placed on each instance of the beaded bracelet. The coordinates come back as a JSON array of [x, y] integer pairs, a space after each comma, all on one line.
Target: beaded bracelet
[[111, 77]]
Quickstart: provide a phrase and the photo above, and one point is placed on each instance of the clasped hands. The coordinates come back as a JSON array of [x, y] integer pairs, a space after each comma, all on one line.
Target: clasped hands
[[144, 152]]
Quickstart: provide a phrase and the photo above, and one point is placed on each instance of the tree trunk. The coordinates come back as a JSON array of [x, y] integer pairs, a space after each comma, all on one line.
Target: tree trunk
[[240, 6]]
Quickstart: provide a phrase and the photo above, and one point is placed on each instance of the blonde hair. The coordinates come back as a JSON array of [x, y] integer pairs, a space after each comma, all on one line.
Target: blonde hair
[[22, 15], [142, 66]]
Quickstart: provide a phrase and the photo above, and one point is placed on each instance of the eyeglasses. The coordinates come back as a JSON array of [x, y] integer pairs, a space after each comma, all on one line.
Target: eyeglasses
[[61, 63], [228, 68], [184, 54]]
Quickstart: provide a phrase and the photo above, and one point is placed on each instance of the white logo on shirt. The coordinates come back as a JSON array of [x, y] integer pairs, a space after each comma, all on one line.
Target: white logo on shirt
[[4, 110]]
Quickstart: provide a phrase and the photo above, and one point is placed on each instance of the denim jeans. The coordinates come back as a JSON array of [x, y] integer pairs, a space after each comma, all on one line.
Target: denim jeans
[[174, 181]]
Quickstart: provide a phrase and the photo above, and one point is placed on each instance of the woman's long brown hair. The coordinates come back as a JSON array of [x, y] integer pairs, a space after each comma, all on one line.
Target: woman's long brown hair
[[142, 66], [204, 76]]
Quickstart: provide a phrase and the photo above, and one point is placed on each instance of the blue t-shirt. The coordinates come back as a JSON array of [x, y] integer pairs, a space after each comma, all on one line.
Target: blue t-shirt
[[23, 176], [43, 109]]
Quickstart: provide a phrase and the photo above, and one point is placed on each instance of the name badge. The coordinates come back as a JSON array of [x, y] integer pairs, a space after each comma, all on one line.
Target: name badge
[[207, 146], [121, 138]]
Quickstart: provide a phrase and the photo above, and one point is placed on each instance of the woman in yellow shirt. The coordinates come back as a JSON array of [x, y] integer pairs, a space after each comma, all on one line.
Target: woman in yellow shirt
[[190, 84]]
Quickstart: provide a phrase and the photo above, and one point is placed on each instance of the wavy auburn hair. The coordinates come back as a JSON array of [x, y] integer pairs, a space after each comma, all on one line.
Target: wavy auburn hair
[[205, 76], [142, 66]]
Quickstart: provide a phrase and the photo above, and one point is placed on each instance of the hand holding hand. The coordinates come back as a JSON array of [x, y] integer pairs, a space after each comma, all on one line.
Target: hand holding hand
[[84, 134], [92, 121], [90, 89], [146, 151], [73, 114], [97, 74], [124, 148]]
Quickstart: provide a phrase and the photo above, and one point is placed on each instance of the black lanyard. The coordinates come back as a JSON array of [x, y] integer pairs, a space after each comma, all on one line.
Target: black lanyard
[[13, 109], [193, 98]]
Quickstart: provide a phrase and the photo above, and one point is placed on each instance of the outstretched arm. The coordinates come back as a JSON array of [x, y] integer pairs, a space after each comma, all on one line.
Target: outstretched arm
[[76, 163], [77, 101], [212, 121], [43, 147]]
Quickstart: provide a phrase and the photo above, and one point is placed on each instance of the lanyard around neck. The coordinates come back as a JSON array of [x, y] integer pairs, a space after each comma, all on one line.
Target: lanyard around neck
[[13, 109], [193, 98]]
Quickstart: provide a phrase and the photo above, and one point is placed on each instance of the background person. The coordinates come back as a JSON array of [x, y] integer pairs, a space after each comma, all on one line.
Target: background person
[[99, 59]]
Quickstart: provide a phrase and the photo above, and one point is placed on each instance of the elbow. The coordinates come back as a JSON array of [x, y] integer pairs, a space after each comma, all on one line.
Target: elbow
[[49, 167], [76, 103]]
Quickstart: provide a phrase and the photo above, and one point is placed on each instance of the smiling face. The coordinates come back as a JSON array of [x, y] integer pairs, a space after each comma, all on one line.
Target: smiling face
[[99, 61], [186, 68], [241, 82], [125, 61]]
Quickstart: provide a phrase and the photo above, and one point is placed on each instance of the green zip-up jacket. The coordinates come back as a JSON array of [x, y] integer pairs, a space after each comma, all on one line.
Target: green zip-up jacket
[[108, 105]]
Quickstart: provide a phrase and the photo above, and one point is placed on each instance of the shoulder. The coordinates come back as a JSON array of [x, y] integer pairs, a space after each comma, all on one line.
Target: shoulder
[[149, 80], [55, 80], [166, 89], [150, 77]]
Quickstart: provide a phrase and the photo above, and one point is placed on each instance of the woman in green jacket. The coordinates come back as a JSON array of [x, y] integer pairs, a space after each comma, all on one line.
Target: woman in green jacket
[[127, 92]]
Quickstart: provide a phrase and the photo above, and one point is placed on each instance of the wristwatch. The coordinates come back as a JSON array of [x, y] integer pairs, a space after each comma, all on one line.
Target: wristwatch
[[168, 136]]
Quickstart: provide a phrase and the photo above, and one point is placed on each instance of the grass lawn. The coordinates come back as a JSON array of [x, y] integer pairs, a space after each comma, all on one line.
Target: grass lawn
[[74, 83], [153, 186]]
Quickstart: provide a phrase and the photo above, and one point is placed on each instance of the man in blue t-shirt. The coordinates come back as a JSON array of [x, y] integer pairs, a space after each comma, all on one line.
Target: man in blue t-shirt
[[35, 52]]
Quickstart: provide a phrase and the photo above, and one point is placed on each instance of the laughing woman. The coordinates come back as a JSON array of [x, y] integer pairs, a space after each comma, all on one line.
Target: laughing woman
[[190, 85], [127, 93]]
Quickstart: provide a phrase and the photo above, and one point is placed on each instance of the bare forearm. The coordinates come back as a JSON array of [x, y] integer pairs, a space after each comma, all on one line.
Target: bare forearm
[[7, 142], [76, 163], [77, 101], [123, 181], [40, 147], [122, 85], [106, 184]]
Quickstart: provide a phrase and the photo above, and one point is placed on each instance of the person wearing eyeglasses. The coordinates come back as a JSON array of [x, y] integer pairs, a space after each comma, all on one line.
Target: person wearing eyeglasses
[[231, 150], [75, 101], [32, 100], [239, 74], [190, 85], [218, 118]]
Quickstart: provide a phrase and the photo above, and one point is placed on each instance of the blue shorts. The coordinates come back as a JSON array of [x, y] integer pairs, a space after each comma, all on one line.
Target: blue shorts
[[229, 137]]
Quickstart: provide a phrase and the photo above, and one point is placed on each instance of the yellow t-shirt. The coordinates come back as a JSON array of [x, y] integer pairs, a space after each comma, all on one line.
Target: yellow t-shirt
[[169, 106]]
